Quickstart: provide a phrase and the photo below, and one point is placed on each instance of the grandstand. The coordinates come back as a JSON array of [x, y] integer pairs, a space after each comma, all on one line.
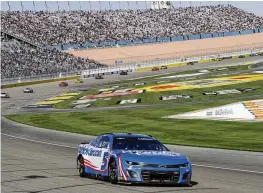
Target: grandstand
[[64, 30]]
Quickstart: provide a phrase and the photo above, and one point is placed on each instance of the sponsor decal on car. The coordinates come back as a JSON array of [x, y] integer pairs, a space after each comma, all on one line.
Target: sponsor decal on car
[[138, 152], [130, 101], [164, 98], [203, 83], [90, 151]]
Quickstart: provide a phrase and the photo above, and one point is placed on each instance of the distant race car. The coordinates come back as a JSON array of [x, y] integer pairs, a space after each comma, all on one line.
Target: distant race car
[[190, 63], [28, 90], [253, 54], [4, 95], [123, 73], [155, 69], [99, 77], [164, 67], [217, 59], [78, 81], [63, 84], [132, 158]]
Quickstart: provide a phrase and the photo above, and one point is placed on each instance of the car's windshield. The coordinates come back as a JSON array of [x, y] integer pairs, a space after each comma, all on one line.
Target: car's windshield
[[137, 143]]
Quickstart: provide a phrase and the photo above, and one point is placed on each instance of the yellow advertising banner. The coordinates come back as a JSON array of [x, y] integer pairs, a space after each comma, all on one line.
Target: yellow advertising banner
[[49, 102], [59, 98], [71, 94]]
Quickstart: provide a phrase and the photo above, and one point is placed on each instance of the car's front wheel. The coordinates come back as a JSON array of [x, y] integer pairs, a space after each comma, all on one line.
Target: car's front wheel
[[113, 172], [80, 166]]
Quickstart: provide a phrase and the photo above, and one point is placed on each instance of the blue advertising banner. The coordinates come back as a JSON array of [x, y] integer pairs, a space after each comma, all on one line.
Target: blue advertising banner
[[155, 39], [203, 36], [194, 37], [219, 34], [246, 32]]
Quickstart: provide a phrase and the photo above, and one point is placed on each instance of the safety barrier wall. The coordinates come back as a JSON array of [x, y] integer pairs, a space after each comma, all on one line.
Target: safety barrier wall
[[153, 40]]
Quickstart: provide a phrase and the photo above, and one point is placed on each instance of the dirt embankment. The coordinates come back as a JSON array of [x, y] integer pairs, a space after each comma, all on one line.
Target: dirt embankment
[[171, 50]]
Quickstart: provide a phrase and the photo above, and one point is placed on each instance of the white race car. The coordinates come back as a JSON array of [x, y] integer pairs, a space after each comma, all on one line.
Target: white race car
[[4, 95], [28, 90]]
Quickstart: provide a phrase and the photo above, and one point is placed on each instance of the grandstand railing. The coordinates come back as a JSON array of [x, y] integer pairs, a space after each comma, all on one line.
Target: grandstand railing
[[107, 44]]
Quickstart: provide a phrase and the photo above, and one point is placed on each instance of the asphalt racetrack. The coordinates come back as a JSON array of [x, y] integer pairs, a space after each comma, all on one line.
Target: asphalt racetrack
[[38, 160]]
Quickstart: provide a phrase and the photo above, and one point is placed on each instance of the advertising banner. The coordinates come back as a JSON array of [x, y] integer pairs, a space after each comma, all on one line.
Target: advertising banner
[[131, 101], [203, 83], [247, 110], [113, 94], [164, 98]]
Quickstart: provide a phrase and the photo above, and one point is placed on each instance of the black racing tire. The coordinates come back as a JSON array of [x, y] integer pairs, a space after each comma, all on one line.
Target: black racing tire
[[81, 167], [113, 172]]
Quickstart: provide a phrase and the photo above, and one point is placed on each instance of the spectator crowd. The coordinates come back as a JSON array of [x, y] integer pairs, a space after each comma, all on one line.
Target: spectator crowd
[[18, 60], [54, 28]]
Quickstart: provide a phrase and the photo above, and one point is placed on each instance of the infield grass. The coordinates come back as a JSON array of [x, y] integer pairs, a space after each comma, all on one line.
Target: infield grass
[[203, 133], [153, 97]]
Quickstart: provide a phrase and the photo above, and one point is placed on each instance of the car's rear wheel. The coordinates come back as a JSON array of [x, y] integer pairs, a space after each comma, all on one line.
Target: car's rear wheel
[[113, 172], [80, 166]]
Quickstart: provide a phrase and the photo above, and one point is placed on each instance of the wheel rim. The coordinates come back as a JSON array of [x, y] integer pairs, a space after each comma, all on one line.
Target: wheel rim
[[113, 173], [80, 167]]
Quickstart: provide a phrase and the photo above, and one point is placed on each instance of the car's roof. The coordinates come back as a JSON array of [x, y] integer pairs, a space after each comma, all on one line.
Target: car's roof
[[127, 135]]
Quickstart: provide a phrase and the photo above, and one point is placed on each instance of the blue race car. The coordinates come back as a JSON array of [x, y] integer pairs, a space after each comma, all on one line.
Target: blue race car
[[132, 158]]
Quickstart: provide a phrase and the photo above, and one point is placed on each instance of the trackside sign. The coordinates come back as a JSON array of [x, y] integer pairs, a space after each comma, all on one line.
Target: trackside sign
[[247, 110]]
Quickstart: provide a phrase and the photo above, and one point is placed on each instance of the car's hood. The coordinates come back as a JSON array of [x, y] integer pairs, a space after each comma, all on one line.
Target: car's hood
[[154, 157]]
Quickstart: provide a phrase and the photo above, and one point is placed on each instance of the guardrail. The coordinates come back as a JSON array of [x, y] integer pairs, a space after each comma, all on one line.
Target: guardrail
[[38, 78], [152, 40]]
